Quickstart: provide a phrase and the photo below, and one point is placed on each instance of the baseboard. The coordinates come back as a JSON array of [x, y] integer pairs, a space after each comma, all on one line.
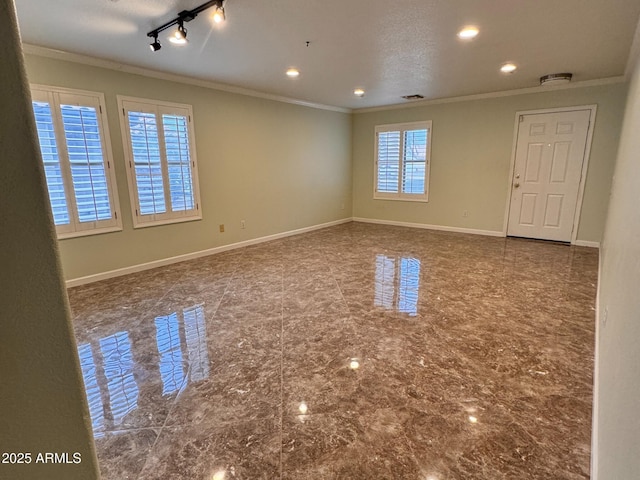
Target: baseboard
[[223, 248], [444, 228], [587, 243], [202, 253]]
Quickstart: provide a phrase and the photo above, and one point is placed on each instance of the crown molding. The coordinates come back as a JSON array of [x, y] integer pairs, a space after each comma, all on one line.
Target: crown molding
[[506, 93], [123, 67]]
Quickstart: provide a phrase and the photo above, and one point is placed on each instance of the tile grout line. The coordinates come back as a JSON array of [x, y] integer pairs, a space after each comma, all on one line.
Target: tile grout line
[[186, 381], [173, 403]]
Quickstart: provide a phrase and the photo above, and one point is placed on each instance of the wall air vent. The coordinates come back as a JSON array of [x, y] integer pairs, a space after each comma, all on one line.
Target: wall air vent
[[415, 96]]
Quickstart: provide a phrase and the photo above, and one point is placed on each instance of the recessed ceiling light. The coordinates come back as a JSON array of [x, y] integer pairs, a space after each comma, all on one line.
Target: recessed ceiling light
[[358, 92], [468, 33], [293, 72], [508, 68]]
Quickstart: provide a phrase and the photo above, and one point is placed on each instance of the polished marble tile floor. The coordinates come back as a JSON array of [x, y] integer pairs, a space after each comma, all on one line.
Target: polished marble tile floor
[[355, 352]]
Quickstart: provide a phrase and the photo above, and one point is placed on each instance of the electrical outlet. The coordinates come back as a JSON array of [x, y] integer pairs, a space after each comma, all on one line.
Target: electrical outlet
[[222, 228], [465, 213], [241, 223]]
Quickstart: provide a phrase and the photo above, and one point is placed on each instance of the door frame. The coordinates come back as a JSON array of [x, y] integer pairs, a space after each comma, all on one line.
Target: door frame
[[585, 162]]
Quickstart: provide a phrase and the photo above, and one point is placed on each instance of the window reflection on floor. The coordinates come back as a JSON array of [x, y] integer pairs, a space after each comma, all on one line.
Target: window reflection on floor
[[397, 284], [168, 341], [118, 369], [94, 399], [110, 384], [196, 336]]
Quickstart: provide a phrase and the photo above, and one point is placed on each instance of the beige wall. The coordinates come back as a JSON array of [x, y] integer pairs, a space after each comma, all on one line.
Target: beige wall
[[42, 402], [471, 157], [277, 166], [617, 424]]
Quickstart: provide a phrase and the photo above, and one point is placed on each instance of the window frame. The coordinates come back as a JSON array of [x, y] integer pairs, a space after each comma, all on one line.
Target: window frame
[[158, 107], [402, 128], [54, 96]]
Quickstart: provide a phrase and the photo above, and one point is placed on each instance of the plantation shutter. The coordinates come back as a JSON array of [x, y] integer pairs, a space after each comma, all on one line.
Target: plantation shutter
[[51, 160], [73, 150], [176, 138], [402, 161], [143, 130], [414, 161], [161, 161], [388, 161], [86, 160]]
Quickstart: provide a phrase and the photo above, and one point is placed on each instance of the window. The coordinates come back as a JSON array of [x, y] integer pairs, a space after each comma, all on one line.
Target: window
[[75, 148], [161, 160], [402, 161]]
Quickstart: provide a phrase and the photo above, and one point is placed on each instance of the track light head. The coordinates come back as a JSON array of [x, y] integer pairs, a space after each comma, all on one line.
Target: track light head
[[179, 37], [219, 15], [155, 45]]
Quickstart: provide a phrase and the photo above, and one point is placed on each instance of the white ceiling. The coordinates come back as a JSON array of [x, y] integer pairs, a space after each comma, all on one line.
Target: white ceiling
[[388, 48]]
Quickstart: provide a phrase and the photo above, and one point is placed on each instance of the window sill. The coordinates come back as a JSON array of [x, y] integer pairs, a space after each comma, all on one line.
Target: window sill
[[421, 199], [86, 233], [168, 221]]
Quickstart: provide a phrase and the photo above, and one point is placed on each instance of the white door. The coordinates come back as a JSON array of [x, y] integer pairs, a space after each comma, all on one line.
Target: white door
[[550, 151]]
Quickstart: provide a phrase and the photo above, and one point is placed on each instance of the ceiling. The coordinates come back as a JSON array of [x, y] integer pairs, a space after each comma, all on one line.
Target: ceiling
[[389, 49]]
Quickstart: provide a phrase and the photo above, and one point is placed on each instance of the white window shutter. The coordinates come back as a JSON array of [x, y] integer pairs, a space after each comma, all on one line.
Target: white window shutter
[[75, 150], [88, 173], [161, 157], [402, 161], [176, 138], [51, 160], [388, 161], [414, 161], [145, 145]]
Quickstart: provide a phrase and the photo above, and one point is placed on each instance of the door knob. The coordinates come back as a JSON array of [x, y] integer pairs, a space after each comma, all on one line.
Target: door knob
[[516, 185]]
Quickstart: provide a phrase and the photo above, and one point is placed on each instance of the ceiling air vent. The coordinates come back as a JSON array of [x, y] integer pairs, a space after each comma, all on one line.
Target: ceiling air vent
[[415, 96], [556, 79]]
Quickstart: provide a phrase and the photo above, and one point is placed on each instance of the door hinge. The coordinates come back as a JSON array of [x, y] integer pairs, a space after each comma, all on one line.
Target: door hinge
[[123, 114], [521, 118], [130, 166], [137, 213], [100, 107], [115, 214], [197, 206]]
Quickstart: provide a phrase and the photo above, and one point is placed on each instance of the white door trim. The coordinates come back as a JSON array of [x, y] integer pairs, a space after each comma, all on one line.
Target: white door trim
[[585, 161]]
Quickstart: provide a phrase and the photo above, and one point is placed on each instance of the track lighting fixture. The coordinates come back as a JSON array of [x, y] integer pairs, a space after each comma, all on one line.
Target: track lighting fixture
[[155, 46], [179, 37]]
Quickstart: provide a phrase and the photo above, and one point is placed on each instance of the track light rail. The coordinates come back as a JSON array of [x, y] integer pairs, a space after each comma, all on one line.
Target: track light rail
[[185, 16]]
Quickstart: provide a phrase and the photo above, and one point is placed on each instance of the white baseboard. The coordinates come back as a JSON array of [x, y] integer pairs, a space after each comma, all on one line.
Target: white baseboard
[[74, 282], [587, 243], [202, 253], [444, 228]]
